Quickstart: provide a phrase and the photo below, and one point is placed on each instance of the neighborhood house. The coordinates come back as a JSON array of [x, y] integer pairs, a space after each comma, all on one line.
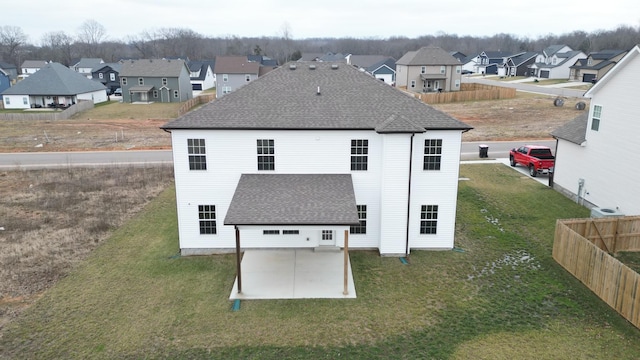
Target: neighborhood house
[[155, 80], [311, 149]]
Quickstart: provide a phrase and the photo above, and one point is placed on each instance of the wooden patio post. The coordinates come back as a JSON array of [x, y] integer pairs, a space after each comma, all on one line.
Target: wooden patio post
[[238, 260], [346, 263]]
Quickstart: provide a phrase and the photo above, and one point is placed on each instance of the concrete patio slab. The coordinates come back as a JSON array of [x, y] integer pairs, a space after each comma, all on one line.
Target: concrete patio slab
[[293, 274]]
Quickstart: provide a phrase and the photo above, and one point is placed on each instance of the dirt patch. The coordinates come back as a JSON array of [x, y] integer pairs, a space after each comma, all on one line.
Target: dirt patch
[[528, 116]]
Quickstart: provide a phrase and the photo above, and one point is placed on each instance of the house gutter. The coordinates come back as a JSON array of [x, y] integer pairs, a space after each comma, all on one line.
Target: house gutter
[[406, 251]]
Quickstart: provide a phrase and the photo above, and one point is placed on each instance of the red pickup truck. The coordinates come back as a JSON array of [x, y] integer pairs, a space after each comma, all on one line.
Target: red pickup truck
[[538, 159]]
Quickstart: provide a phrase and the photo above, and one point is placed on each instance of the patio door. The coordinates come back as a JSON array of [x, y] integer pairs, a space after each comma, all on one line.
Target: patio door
[[327, 238]]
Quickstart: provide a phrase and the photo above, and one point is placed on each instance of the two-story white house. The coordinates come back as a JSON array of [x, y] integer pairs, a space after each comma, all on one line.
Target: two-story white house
[[597, 152], [295, 158]]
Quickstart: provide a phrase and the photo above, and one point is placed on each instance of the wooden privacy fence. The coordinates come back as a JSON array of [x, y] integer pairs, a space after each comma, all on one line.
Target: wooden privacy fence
[[468, 92], [52, 115], [189, 104], [578, 247]]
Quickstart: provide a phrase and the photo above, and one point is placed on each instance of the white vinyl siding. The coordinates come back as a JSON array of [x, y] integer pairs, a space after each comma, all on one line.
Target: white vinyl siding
[[385, 195]]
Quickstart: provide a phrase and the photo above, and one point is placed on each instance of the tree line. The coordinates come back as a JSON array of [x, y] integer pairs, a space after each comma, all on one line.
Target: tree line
[[92, 40]]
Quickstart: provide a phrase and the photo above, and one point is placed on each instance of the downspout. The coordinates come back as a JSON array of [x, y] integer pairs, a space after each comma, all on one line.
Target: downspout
[[406, 251]]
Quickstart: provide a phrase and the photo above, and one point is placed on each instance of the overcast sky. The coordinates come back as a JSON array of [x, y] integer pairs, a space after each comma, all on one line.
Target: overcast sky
[[324, 18]]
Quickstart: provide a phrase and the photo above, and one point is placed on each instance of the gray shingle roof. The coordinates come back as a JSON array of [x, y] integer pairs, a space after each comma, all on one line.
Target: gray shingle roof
[[365, 61], [54, 79], [152, 68], [288, 99], [429, 55], [235, 65], [575, 130], [293, 199], [33, 64], [91, 63]]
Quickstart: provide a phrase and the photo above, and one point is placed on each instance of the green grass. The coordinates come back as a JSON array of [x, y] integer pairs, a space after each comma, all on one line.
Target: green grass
[[502, 298]]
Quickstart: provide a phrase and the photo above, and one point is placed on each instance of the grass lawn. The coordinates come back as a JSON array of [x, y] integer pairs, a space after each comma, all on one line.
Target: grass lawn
[[501, 297]]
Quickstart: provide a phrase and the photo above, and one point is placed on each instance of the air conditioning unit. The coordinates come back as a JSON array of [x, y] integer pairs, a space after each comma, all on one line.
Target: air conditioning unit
[[601, 212]]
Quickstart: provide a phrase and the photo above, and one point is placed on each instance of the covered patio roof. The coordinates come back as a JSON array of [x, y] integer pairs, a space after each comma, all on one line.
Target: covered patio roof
[[293, 199], [433, 76], [141, 88]]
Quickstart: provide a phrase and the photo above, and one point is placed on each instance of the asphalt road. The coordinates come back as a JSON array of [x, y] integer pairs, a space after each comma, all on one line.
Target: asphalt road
[[43, 160]]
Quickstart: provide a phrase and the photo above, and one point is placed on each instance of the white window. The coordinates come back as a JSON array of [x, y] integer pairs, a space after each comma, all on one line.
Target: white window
[[155, 94], [176, 94], [423, 70], [124, 81], [247, 78], [112, 77], [225, 77], [140, 81], [25, 101], [457, 83], [226, 89], [207, 219], [100, 76], [458, 69], [164, 81], [413, 83], [443, 69], [428, 219], [7, 100], [595, 118]]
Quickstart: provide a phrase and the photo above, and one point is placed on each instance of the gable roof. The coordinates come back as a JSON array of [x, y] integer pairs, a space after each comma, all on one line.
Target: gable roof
[[312, 199], [202, 67], [288, 99], [89, 63], [496, 54], [33, 64], [153, 68], [54, 79], [113, 66], [552, 49], [428, 55], [614, 70], [388, 62], [575, 130], [605, 54], [521, 58], [365, 61], [235, 65]]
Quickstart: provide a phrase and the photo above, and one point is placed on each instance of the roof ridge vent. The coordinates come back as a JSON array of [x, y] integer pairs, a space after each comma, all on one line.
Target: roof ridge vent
[[292, 66], [312, 67], [334, 66], [318, 92]]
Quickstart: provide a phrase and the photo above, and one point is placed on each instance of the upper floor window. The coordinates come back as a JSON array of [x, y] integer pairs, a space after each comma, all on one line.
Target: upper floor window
[[100, 76], [590, 61], [432, 154], [155, 94], [225, 77], [140, 81], [359, 154], [595, 118], [458, 69], [443, 69], [197, 154], [247, 78], [423, 70], [413, 83], [164, 82], [362, 216], [124, 81], [207, 218], [112, 76], [428, 219], [266, 154]]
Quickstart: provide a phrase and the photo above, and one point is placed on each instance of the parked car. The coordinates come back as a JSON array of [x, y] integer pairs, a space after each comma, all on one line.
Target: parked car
[[118, 92], [467, 72], [537, 158]]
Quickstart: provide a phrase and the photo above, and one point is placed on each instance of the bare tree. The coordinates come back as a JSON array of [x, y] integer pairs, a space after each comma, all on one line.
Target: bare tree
[[57, 46], [11, 39], [91, 33]]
